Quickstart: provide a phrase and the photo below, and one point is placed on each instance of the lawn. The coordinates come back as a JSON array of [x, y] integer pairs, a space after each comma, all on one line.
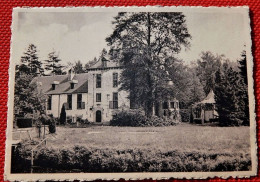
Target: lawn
[[182, 137], [184, 147]]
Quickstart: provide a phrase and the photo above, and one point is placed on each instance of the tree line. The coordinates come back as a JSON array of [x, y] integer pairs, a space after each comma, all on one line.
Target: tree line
[[30, 64]]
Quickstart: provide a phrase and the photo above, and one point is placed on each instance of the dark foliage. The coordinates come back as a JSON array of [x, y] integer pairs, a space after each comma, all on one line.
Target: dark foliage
[[52, 125], [82, 159], [78, 68], [145, 43], [206, 68], [63, 115], [31, 64], [137, 118], [228, 97], [24, 122], [53, 64], [185, 115], [244, 100]]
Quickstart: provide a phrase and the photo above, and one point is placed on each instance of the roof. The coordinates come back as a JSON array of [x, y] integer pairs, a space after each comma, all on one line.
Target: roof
[[209, 99], [100, 65], [80, 84], [44, 83]]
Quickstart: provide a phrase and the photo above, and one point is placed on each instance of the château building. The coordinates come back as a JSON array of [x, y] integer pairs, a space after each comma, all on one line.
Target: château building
[[94, 95]]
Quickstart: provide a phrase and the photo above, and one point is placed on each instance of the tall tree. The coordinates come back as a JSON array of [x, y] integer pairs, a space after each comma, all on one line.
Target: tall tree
[[242, 66], [207, 66], [227, 97], [30, 62], [143, 42], [195, 91], [53, 64], [243, 94], [27, 99], [78, 67]]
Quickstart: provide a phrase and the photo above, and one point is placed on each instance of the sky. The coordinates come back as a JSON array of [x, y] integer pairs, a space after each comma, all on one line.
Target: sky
[[81, 36]]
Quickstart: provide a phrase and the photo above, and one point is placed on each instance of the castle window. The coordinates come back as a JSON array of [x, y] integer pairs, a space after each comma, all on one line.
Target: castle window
[[98, 97], [114, 103], [98, 81], [115, 79], [115, 100], [49, 102], [69, 102], [80, 104]]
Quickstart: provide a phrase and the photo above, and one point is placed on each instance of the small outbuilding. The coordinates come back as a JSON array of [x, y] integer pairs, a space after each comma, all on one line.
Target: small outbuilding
[[205, 110]]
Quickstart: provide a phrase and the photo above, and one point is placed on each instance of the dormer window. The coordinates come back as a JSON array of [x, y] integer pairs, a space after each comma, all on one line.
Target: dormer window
[[53, 85], [72, 84]]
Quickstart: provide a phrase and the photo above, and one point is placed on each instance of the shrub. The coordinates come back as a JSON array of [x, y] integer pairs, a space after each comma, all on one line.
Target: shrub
[[24, 122], [52, 125], [63, 115], [82, 159], [137, 118], [185, 115]]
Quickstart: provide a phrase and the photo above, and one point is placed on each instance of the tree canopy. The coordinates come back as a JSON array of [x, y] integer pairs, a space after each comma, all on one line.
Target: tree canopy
[[30, 63], [146, 44], [78, 67], [52, 64]]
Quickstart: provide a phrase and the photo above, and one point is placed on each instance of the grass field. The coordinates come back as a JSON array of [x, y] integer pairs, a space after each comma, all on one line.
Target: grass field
[[183, 147], [183, 136]]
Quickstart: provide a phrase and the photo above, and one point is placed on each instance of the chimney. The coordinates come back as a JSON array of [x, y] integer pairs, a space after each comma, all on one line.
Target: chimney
[[71, 74]]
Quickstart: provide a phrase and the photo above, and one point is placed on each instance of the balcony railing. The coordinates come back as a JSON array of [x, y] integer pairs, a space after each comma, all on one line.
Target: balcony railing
[[113, 104]]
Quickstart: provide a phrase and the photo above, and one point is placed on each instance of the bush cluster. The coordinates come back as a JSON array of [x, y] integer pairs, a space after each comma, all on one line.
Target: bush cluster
[[24, 122], [185, 115], [136, 118], [82, 159]]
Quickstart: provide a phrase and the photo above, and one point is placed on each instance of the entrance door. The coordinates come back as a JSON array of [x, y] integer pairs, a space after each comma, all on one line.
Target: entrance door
[[98, 116]]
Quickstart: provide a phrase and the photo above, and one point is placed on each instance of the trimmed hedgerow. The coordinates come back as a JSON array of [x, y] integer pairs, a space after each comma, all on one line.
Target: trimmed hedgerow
[[136, 118], [83, 159]]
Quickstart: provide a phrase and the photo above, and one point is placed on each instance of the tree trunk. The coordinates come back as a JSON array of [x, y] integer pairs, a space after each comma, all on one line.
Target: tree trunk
[[160, 109], [150, 94], [149, 108]]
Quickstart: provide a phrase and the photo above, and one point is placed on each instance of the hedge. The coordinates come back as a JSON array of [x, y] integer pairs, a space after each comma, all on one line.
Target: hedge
[[24, 122], [83, 159], [136, 118]]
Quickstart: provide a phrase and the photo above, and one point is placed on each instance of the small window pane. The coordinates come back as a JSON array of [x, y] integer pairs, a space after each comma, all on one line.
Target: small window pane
[[98, 81], [115, 79], [69, 101], [98, 97], [49, 102]]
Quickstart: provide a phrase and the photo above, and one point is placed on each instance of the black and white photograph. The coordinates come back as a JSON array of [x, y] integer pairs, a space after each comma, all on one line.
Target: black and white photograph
[[130, 93]]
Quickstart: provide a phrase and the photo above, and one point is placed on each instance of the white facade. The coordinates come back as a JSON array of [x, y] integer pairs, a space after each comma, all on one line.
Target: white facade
[[96, 108], [106, 90], [59, 100]]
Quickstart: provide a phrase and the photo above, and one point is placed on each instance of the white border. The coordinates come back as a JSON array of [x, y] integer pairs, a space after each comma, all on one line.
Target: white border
[[134, 176]]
